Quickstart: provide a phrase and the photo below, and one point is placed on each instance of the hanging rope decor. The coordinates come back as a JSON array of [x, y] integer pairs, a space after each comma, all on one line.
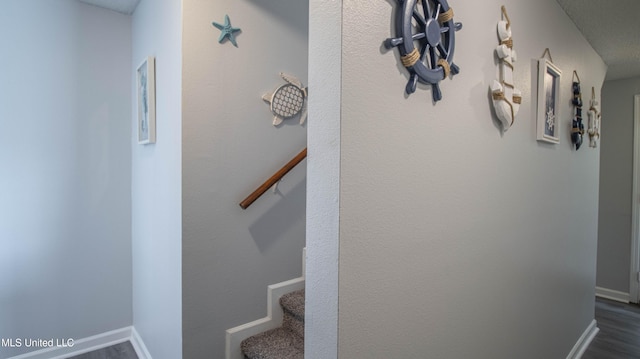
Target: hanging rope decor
[[506, 97], [594, 120], [577, 128], [425, 38]]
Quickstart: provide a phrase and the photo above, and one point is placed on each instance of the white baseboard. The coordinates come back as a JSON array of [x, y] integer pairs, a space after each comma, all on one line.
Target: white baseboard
[[612, 294], [138, 345], [85, 345], [583, 343]]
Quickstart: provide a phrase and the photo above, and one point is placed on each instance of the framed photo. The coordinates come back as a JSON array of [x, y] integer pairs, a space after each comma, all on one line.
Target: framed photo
[[548, 101], [146, 90]]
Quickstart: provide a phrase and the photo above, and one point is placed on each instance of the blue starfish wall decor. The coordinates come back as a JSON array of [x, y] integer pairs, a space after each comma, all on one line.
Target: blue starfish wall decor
[[227, 31]]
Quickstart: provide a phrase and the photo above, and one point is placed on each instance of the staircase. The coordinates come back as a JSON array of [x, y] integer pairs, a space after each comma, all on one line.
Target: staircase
[[279, 335], [284, 342]]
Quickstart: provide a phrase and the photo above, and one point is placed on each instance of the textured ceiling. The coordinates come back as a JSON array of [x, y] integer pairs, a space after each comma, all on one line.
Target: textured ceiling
[[612, 27], [123, 6]]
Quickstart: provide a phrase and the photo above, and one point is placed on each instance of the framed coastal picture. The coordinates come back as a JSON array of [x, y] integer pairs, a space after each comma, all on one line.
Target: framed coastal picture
[[548, 119], [146, 92]]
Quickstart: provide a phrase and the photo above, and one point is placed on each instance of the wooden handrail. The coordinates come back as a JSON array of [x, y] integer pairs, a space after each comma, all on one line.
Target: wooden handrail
[[273, 180]]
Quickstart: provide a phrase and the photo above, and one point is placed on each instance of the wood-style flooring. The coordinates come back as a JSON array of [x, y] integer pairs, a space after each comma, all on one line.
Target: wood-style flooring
[[619, 336], [119, 351]]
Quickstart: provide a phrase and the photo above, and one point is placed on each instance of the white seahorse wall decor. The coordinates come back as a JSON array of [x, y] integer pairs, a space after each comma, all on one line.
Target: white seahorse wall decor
[[506, 97], [594, 121]]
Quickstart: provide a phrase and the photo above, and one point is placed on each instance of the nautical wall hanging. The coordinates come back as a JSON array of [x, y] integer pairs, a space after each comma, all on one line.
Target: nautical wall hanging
[[594, 120], [227, 31], [425, 37], [506, 97], [548, 100], [288, 100], [577, 128]]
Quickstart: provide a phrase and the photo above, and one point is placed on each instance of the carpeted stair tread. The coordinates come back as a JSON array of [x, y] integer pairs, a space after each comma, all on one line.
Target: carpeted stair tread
[[293, 323], [294, 303], [278, 343], [285, 342]]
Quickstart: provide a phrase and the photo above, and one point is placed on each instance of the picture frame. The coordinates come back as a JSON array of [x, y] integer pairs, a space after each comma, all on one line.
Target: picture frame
[[146, 93], [548, 114]]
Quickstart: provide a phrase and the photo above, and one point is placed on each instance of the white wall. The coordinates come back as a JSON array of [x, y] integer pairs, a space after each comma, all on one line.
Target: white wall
[[230, 256], [65, 228], [156, 185], [616, 184], [323, 183], [454, 240]]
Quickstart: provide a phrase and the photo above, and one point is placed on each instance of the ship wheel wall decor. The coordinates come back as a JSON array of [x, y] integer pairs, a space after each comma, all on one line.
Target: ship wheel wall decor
[[426, 40]]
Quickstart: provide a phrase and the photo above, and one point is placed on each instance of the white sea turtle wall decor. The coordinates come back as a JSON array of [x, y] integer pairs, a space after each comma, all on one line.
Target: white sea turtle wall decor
[[288, 100], [506, 97]]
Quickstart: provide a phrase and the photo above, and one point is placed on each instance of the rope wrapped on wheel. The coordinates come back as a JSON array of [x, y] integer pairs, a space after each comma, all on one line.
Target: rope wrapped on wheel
[[445, 66], [446, 16], [411, 58]]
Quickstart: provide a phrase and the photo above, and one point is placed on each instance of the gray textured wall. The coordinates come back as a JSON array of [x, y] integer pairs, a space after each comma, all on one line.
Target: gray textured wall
[[449, 228], [230, 256], [616, 184], [65, 227]]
